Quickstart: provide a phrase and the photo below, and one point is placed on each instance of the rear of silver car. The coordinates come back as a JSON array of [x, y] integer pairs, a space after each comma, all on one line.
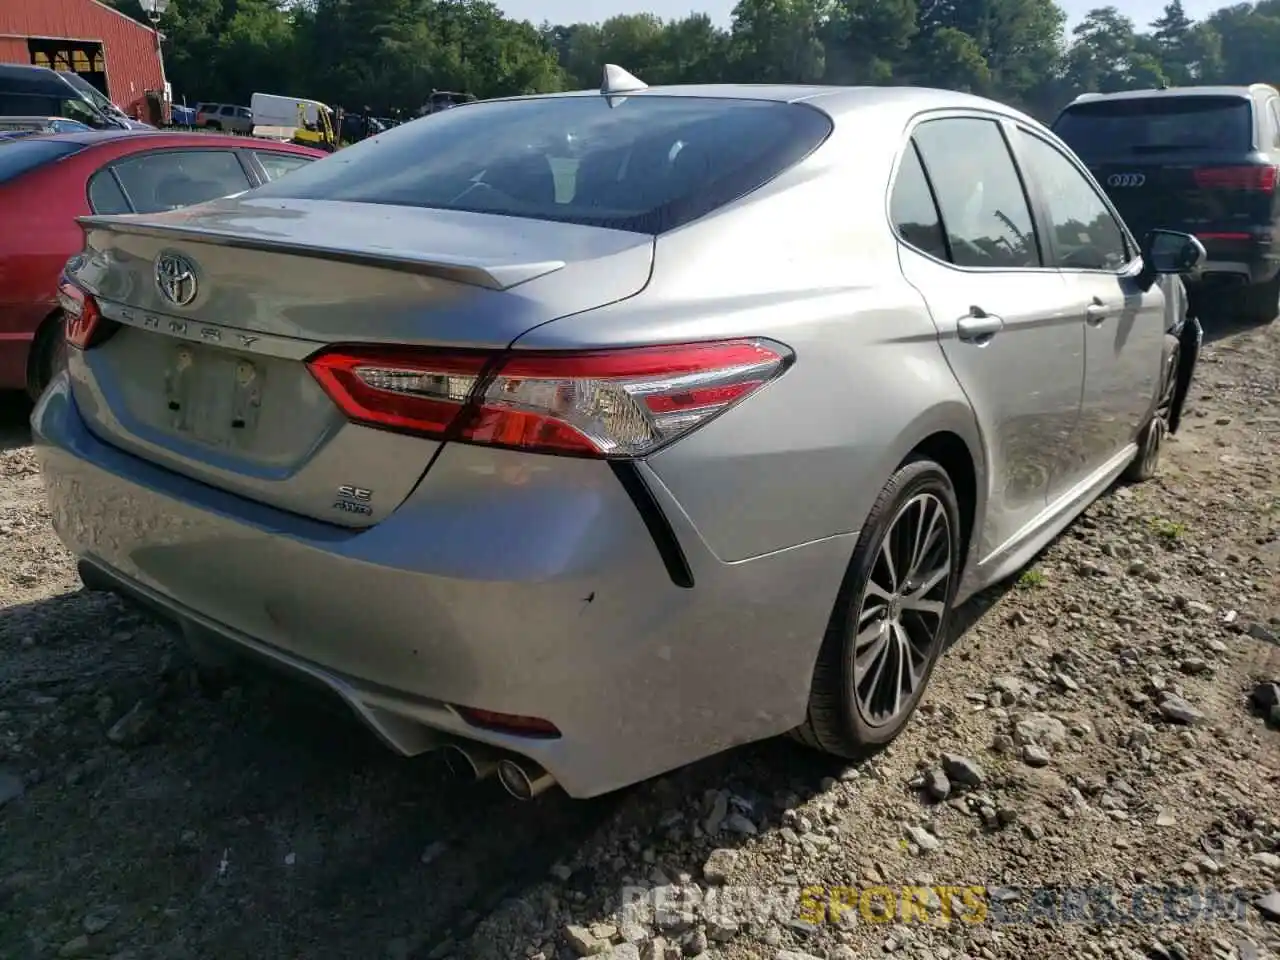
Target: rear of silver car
[[296, 425]]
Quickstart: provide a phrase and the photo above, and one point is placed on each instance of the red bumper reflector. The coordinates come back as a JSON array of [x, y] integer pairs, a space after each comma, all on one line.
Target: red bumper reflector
[[509, 723]]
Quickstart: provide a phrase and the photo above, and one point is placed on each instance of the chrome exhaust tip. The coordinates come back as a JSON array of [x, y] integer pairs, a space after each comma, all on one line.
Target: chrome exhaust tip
[[523, 779], [469, 763]]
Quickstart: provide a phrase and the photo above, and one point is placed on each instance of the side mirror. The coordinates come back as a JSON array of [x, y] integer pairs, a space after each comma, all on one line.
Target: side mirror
[[1170, 251]]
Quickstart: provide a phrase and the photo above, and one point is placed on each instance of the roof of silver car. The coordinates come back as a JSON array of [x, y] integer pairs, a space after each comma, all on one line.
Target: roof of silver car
[[1239, 90], [834, 100]]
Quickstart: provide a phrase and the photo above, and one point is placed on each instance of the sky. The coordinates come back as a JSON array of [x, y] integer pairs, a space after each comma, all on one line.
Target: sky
[[1141, 12]]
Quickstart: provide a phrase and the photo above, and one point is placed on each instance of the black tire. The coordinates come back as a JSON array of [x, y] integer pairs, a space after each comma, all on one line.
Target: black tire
[[46, 358], [1146, 463], [213, 125], [1260, 302], [837, 722]]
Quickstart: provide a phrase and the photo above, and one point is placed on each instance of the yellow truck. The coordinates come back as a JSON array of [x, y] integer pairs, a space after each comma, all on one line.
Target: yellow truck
[[295, 119]]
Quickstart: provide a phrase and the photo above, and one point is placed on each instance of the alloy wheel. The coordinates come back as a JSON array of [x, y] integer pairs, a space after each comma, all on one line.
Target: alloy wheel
[[902, 611]]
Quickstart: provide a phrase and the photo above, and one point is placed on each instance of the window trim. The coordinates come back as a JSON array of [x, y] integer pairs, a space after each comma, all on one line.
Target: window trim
[[251, 175], [1002, 122], [259, 171], [1133, 251]]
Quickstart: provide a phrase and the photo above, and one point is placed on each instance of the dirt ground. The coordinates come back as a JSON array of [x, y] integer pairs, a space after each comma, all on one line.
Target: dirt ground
[[1096, 715]]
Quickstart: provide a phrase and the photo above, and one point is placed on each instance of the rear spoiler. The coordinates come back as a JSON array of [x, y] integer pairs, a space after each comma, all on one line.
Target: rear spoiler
[[471, 271]]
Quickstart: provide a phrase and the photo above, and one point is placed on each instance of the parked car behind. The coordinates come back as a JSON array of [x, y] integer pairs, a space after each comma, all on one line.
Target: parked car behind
[[1199, 159], [224, 116], [48, 181], [591, 479], [38, 91]]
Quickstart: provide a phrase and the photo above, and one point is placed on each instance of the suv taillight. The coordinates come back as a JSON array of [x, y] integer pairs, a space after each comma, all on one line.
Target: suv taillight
[[80, 312], [601, 403], [1260, 177]]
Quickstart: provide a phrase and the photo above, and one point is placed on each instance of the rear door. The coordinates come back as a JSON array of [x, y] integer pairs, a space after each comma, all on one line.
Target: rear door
[[1193, 163], [1124, 325], [1010, 329]]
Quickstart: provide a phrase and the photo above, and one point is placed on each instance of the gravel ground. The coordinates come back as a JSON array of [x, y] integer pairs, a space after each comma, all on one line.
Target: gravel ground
[[1095, 727]]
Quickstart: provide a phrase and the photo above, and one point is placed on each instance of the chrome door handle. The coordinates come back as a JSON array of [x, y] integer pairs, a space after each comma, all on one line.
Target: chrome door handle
[[978, 326], [1096, 312]]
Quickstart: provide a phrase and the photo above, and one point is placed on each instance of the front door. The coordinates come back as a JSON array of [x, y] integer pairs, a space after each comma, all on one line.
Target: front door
[[1007, 323], [1124, 326]]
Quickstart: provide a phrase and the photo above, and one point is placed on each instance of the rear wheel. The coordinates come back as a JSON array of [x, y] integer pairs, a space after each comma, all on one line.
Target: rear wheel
[[48, 353], [891, 616], [1151, 440]]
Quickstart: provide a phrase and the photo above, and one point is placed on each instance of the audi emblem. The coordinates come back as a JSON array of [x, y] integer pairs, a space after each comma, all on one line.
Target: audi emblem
[[1126, 180]]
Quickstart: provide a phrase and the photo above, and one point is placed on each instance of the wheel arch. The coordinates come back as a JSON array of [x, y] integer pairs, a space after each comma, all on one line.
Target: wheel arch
[[36, 352], [950, 436]]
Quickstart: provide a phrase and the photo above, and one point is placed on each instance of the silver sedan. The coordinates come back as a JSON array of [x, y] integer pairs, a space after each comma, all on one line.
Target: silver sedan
[[587, 435]]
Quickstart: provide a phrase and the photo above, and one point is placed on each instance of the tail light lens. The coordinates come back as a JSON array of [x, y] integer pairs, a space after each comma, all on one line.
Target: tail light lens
[[605, 403], [1260, 177], [80, 312]]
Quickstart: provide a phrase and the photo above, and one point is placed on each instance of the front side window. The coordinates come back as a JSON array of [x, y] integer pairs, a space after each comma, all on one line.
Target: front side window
[[984, 207], [646, 164], [167, 180], [911, 206], [1086, 236]]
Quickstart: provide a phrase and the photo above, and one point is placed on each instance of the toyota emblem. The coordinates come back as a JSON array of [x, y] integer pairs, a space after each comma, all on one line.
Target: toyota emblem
[[1126, 180], [176, 278]]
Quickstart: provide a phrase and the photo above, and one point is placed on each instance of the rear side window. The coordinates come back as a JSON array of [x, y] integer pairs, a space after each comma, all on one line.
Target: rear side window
[[646, 164], [170, 179], [1147, 125], [22, 156], [912, 208], [105, 196], [276, 165]]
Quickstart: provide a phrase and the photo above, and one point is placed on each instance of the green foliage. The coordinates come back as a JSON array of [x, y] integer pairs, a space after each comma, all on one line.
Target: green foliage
[[390, 54]]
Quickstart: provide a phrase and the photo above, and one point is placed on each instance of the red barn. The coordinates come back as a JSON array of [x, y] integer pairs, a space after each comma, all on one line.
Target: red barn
[[113, 52]]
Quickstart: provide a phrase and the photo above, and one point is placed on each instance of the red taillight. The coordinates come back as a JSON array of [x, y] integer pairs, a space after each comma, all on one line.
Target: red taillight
[[604, 403], [81, 313], [1254, 177]]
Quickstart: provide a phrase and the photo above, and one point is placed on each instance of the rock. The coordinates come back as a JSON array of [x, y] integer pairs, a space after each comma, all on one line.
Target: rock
[[962, 770], [740, 824], [11, 786], [794, 955], [936, 785], [1269, 906], [1177, 710], [582, 942], [1260, 631], [1274, 719], [1034, 755], [719, 810], [98, 920], [604, 931], [560, 871], [1040, 729], [135, 728], [76, 947], [923, 839], [433, 851], [1165, 819], [1269, 860], [623, 951], [694, 943], [659, 949], [719, 865]]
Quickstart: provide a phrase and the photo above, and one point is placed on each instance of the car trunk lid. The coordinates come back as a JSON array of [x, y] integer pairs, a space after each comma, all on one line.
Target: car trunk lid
[[210, 379]]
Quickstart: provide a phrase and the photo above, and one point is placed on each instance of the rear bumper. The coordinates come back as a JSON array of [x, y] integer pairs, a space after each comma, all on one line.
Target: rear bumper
[[512, 583], [1236, 262]]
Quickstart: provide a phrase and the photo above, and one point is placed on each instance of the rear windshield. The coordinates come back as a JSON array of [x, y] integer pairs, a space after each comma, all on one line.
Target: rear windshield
[[21, 156], [1157, 125], [646, 164]]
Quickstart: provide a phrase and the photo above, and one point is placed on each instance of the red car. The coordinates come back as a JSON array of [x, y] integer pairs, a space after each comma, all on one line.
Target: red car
[[48, 181]]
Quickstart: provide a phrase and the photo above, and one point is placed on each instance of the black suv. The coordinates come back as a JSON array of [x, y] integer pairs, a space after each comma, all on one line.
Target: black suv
[[1197, 159]]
